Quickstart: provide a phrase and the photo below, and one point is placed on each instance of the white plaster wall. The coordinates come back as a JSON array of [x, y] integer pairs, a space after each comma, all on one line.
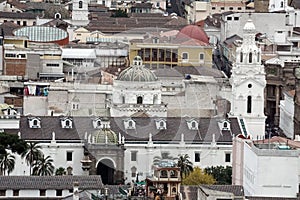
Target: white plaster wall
[[146, 154], [58, 152], [286, 121], [250, 168], [265, 175], [35, 105], [266, 23], [131, 90], [277, 173]]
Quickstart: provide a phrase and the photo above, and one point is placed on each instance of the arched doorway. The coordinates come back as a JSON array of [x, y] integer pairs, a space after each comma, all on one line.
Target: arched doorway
[[139, 100], [106, 169]]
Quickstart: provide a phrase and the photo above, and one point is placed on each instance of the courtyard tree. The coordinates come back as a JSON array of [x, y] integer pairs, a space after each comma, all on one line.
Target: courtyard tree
[[43, 166], [11, 142], [60, 171], [185, 165], [198, 177], [9, 145], [7, 163], [31, 154], [223, 175]]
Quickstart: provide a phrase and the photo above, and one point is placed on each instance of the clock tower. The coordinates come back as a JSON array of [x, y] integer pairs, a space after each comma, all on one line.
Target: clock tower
[[248, 83]]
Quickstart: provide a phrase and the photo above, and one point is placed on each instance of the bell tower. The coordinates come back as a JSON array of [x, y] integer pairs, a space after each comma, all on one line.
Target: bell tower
[[80, 12], [248, 83]]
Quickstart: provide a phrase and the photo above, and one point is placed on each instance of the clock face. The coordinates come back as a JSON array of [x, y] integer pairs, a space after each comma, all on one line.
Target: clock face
[[297, 72]]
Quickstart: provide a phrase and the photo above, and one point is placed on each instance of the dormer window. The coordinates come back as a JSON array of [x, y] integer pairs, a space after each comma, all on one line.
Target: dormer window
[[66, 122], [9, 112], [34, 122], [129, 124], [97, 124], [192, 124], [224, 125], [161, 124]]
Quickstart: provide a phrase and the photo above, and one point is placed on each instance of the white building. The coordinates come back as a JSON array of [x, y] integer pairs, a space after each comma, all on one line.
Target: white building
[[286, 121], [80, 12], [265, 23], [137, 91], [266, 169], [248, 83]]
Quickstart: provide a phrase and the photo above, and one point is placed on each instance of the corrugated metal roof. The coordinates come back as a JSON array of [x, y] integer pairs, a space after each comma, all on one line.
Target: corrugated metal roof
[[79, 53]]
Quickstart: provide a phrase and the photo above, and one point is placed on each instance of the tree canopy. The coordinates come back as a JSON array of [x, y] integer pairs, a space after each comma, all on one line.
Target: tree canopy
[[119, 13], [198, 177], [12, 143], [223, 175], [185, 165]]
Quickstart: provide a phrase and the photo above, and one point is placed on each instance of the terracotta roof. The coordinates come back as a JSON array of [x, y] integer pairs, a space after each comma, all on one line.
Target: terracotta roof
[[195, 32], [280, 140], [8, 28], [144, 125], [50, 182]]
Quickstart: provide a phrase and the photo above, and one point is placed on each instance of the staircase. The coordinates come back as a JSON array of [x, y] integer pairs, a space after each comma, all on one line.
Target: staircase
[[243, 126]]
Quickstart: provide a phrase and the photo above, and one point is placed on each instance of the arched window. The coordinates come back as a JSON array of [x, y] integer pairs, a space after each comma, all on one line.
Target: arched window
[[140, 100], [163, 174], [258, 56], [130, 123], [57, 16], [98, 123], [123, 99], [249, 104], [241, 57], [225, 125], [80, 4], [174, 190], [35, 122], [67, 123], [162, 124], [133, 171], [250, 57], [193, 124]]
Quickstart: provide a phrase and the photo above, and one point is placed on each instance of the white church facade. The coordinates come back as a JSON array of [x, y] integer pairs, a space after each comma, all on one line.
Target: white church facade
[[248, 82]]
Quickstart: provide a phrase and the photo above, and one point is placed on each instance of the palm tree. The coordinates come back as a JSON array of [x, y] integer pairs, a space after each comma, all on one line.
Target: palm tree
[[60, 171], [7, 163], [185, 165], [43, 166], [33, 152]]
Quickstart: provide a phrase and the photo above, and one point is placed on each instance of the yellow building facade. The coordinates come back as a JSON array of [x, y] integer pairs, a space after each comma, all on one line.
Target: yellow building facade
[[176, 50]]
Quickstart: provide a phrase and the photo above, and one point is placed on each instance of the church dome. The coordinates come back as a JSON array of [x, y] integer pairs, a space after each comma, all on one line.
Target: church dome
[[100, 136], [137, 72], [195, 32]]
